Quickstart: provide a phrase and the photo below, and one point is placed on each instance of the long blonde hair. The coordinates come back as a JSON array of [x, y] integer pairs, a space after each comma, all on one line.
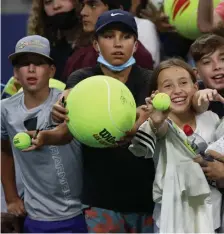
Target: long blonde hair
[[36, 19], [36, 25]]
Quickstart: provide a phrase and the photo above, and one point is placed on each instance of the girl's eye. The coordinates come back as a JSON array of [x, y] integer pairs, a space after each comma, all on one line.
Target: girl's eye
[[47, 2], [167, 86]]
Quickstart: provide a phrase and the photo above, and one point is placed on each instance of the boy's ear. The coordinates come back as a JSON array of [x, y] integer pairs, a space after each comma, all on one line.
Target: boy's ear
[[15, 74], [53, 70], [95, 46], [17, 82], [135, 46]]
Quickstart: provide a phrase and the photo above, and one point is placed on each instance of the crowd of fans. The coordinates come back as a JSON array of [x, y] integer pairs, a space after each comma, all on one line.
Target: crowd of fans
[[151, 181]]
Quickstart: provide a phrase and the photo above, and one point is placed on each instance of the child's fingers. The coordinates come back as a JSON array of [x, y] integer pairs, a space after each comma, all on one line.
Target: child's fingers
[[31, 148], [220, 98], [211, 95], [148, 101], [153, 95], [202, 98], [199, 101]]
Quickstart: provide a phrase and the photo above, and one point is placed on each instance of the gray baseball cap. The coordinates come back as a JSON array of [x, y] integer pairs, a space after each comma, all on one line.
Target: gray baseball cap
[[34, 44]]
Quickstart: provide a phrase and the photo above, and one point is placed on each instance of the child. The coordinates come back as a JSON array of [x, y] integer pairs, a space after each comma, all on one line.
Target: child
[[208, 54], [180, 191], [52, 176]]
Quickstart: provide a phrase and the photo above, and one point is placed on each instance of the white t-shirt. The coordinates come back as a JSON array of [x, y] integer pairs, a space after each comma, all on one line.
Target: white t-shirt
[[148, 36], [177, 175]]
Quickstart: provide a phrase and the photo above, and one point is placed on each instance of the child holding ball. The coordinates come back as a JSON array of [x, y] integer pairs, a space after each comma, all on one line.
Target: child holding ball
[[52, 176], [180, 190]]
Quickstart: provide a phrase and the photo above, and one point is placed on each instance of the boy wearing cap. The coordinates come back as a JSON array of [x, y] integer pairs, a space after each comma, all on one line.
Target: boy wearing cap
[[52, 176], [117, 185], [87, 56]]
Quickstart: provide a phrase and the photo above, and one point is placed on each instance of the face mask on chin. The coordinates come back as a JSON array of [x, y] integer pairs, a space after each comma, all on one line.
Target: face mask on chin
[[62, 21], [119, 68]]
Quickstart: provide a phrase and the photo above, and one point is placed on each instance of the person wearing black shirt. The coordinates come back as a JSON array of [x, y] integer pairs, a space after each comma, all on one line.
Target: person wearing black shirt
[[117, 185]]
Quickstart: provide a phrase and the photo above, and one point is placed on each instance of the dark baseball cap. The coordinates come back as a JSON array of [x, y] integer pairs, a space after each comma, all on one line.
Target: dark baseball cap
[[116, 16], [34, 44]]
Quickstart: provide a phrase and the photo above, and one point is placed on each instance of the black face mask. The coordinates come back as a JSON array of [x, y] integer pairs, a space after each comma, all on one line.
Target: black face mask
[[63, 21]]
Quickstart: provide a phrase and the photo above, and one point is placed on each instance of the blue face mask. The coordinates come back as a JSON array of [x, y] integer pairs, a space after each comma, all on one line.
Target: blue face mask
[[111, 67]]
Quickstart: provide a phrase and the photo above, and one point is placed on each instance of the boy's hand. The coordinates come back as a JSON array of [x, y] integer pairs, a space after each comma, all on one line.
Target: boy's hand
[[202, 98], [11, 223], [142, 114], [207, 95], [16, 207], [59, 112], [157, 117], [214, 170], [37, 140]]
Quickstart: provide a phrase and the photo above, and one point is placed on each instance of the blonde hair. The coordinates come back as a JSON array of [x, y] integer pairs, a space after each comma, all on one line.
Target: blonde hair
[[36, 19], [36, 25]]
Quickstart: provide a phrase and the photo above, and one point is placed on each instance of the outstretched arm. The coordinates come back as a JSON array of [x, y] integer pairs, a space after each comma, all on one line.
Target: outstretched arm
[[57, 136], [208, 18]]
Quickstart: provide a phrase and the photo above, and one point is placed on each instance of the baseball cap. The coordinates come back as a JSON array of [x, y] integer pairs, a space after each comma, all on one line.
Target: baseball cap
[[116, 16], [34, 44]]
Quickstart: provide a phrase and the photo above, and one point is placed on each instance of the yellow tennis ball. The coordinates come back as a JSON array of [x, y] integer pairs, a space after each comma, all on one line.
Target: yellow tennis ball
[[21, 140], [183, 15], [101, 109], [161, 101], [57, 84]]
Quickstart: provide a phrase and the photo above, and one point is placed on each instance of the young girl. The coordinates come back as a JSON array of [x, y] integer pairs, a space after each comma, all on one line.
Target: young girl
[[182, 195]]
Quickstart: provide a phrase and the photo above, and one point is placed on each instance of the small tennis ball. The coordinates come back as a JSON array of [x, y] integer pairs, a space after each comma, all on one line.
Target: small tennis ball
[[22, 140], [161, 101]]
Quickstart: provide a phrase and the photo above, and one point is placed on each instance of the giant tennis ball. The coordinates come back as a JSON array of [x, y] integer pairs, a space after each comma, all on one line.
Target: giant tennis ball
[[183, 15], [161, 101], [21, 140], [101, 109]]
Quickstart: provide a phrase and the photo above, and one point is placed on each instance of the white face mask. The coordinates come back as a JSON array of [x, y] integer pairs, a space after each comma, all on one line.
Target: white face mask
[[119, 68]]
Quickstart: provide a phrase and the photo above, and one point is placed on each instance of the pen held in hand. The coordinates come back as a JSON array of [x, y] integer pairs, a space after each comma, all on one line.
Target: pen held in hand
[[63, 102], [36, 133]]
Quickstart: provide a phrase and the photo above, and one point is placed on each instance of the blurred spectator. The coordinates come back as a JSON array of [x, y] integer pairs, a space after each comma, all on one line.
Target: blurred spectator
[[172, 43], [57, 21], [147, 31], [208, 17], [87, 56]]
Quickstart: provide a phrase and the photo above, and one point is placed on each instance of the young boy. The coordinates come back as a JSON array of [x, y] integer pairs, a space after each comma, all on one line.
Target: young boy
[[87, 56], [180, 189], [52, 176], [208, 54], [117, 185]]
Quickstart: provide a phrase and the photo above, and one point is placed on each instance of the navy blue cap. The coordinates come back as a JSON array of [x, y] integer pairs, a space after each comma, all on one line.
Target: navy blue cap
[[116, 16]]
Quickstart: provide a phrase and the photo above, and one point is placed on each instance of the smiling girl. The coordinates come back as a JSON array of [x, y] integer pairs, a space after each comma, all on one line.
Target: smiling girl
[[184, 201]]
